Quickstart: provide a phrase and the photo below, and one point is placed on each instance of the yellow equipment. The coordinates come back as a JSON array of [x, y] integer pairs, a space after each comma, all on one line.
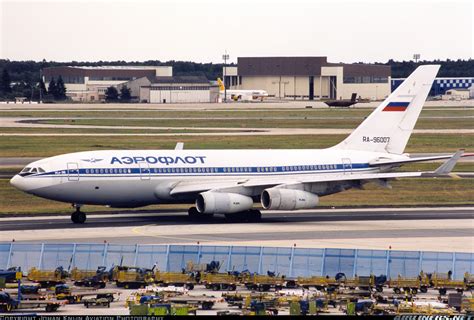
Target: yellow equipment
[[318, 282], [46, 277], [219, 281], [443, 282], [77, 274], [265, 283], [134, 279], [408, 285], [175, 278]]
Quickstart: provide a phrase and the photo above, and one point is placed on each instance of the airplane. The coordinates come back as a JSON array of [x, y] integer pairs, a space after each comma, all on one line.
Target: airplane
[[229, 182], [244, 95], [342, 103]]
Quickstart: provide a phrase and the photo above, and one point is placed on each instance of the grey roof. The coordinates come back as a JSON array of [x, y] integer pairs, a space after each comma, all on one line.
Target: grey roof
[[102, 72], [180, 79], [365, 70], [278, 66], [303, 66]]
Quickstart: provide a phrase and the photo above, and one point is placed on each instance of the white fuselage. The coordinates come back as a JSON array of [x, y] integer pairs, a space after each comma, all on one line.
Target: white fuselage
[[122, 178]]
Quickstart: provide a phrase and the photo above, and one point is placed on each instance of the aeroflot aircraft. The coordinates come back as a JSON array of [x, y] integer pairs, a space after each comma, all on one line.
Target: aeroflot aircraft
[[245, 95], [230, 181]]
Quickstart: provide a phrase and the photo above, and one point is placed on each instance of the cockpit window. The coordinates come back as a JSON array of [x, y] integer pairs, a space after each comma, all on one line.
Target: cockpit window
[[29, 171]]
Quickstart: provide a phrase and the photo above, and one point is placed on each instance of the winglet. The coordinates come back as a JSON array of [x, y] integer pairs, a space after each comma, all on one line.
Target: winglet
[[446, 167], [179, 146]]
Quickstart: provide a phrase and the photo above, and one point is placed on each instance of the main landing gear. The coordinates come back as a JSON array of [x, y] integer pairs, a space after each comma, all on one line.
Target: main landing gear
[[245, 216], [78, 216], [194, 214]]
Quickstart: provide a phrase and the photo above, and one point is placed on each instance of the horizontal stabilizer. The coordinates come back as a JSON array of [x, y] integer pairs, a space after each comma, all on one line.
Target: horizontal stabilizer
[[446, 167], [385, 162]]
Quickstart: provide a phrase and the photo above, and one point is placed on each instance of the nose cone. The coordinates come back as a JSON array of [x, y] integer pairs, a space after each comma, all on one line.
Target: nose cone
[[19, 183]]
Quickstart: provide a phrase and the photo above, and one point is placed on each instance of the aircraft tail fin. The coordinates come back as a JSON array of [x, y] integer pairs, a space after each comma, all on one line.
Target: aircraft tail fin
[[354, 97], [389, 126], [221, 84]]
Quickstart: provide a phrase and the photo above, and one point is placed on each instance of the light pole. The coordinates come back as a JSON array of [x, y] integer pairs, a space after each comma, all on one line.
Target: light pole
[[41, 93], [225, 57]]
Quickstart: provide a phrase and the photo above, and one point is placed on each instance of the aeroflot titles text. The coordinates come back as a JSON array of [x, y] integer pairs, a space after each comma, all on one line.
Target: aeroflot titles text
[[163, 160]]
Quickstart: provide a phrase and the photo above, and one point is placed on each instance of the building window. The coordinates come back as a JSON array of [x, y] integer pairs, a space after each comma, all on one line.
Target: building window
[[366, 79]]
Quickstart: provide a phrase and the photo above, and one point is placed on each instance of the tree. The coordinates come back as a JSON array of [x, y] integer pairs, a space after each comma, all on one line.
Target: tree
[[60, 89], [52, 88], [5, 82], [111, 94], [125, 95]]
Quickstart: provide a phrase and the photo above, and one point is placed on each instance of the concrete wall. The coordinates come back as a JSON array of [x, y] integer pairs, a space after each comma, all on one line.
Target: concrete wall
[[164, 71], [372, 91], [135, 85], [179, 96], [286, 86], [298, 86], [144, 94]]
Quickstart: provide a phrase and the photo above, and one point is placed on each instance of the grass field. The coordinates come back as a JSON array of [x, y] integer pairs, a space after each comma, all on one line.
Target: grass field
[[404, 192], [256, 113], [43, 146], [346, 123], [20, 130]]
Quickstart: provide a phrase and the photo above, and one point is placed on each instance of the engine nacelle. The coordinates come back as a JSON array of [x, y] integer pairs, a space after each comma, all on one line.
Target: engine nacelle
[[288, 199], [219, 202]]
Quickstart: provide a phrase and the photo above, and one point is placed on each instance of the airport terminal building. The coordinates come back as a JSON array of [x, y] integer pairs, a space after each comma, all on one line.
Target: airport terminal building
[[88, 84], [174, 89], [309, 78]]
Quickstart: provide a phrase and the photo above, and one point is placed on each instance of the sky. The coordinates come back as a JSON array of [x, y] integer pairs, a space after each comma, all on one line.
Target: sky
[[202, 30]]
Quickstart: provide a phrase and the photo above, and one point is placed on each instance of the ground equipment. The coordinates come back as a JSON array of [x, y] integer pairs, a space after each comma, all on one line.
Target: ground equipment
[[443, 282], [219, 281], [175, 279], [47, 278]]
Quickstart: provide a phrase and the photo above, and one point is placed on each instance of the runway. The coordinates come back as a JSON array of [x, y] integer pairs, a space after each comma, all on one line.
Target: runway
[[436, 229]]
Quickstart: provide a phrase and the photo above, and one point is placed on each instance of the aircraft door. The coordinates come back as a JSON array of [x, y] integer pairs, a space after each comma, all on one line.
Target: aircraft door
[[144, 170], [346, 165], [72, 171]]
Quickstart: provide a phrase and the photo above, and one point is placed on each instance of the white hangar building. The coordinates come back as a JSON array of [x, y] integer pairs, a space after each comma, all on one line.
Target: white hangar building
[[309, 78]]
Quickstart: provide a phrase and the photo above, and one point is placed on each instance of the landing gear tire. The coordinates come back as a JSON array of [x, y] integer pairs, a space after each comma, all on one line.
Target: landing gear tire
[[254, 216], [194, 214], [246, 216], [78, 217]]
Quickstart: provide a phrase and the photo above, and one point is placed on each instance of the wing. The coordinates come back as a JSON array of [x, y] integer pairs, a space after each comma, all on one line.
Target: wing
[[272, 181]]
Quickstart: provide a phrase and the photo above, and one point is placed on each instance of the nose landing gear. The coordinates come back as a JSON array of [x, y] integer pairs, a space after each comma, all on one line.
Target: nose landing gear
[[78, 216]]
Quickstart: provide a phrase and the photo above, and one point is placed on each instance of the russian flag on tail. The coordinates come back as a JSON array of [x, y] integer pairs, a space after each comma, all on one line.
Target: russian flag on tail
[[396, 106]]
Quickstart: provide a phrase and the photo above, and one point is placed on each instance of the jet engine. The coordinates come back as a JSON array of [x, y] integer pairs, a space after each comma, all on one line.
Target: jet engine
[[288, 199], [219, 202]]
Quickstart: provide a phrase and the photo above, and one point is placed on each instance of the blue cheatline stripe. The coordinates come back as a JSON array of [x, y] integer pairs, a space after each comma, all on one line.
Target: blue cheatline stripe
[[206, 170]]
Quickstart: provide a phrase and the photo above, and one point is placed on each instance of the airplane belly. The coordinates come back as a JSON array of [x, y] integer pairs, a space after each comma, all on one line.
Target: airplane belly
[[122, 192]]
